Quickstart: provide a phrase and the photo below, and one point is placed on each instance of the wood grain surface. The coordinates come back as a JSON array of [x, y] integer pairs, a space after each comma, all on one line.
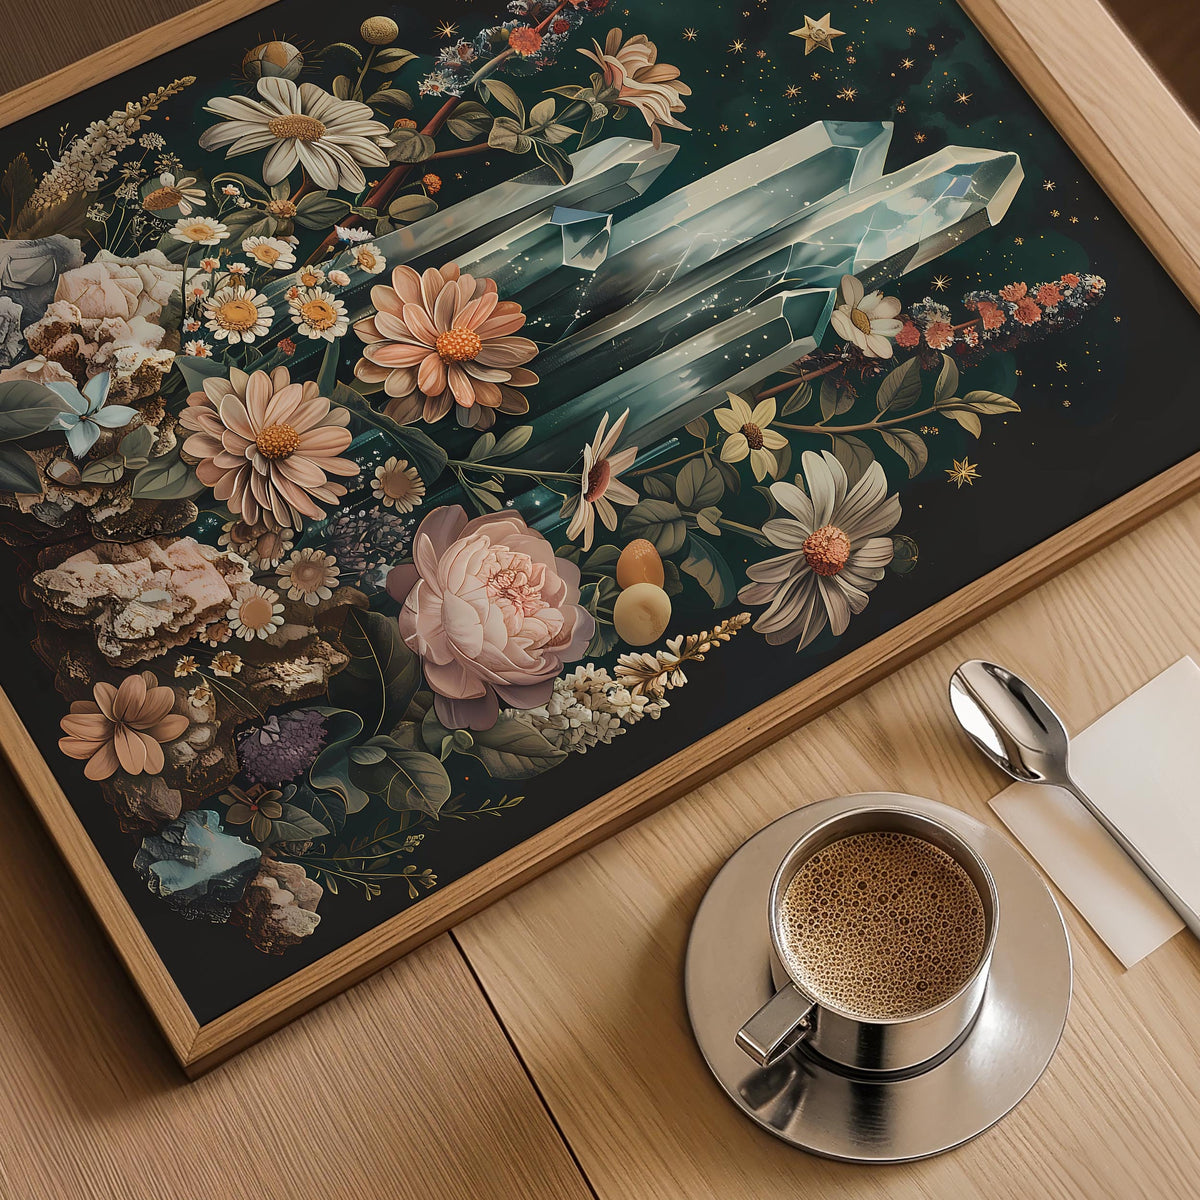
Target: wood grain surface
[[409, 1087]]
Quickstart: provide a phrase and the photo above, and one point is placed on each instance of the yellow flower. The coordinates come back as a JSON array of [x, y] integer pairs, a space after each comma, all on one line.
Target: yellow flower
[[750, 435]]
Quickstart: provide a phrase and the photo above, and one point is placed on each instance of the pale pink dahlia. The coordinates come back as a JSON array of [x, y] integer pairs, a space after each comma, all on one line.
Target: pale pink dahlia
[[491, 612], [443, 339], [267, 446]]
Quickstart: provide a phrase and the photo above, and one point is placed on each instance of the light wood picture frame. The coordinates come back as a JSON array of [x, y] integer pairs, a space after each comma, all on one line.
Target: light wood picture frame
[[1150, 172]]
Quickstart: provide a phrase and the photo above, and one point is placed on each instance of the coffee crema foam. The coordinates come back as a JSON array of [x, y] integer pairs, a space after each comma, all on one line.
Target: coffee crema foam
[[882, 925]]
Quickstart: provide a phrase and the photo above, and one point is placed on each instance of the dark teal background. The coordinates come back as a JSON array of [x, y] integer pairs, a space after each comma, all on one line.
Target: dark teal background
[[1123, 410]]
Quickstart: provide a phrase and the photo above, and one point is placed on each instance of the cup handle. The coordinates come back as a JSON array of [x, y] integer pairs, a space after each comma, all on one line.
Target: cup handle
[[778, 1027]]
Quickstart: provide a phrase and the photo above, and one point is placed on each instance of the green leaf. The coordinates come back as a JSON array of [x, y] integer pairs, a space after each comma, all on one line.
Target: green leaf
[[709, 569], [854, 454], [707, 519], [196, 370], [296, 825], [910, 446], [18, 472], [421, 450], [135, 446], [383, 674], [990, 403], [411, 146], [901, 387], [968, 420], [947, 384], [167, 477], [658, 487], [27, 407], [513, 440], [799, 399], [326, 807], [391, 60], [331, 770], [412, 207], [390, 97], [834, 400], [318, 210], [327, 375], [659, 522], [470, 120], [508, 134], [698, 485], [511, 749], [104, 470], [404, 779], [698, 428], [555, 159], [498, 90]]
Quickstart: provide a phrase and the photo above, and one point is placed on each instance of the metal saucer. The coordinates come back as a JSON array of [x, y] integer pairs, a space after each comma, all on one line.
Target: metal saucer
[[820, 1108]]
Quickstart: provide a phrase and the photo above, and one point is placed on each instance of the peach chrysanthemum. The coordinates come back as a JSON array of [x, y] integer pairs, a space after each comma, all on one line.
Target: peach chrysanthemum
[[444, 339], [267, 446]]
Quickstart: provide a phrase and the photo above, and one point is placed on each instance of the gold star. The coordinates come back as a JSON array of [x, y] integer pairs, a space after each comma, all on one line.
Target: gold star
[[736, 46], [1018, 241], [791, 91], [902, 107], [1055, 213], [933, 46], [1048, 185], [817, 35], [911, 30], [918, 137], [446, 29], [815, 75], [907, 64], [689, 34], [941, 282], [851, 59], [723, 128], [760, 54], [962, 472], [1073, 220], [963, 97], [1116, 320], [1062, 366], [847, 93]]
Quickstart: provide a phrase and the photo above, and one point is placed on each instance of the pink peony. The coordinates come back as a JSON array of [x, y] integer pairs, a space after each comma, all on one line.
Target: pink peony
[[491, 612]]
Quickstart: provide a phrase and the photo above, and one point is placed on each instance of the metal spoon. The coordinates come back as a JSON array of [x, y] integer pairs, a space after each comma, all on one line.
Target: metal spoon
[[1023, 735]]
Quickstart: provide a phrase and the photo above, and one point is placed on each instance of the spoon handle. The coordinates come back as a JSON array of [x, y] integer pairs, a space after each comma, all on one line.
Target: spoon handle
[[1187, 914]]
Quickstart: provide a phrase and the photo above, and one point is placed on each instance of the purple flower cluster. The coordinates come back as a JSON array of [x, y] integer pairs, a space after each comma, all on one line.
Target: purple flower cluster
[[282, 746]]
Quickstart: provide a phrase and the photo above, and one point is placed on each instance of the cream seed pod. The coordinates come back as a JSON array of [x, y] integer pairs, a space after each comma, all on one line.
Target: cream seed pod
[[641, 614], [379, 31]]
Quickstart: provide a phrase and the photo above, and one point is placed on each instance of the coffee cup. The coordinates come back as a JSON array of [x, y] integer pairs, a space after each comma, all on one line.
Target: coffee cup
[[883, 923]]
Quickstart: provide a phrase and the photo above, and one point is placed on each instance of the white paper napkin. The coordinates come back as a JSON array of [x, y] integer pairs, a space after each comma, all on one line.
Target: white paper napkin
[[1140, 764]]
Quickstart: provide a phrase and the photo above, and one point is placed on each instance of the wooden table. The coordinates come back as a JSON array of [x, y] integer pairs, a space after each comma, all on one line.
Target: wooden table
[[542, 1049]]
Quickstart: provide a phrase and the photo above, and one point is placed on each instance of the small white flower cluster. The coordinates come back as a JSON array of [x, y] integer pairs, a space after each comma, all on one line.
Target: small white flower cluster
[[586, 708], [92, 156]]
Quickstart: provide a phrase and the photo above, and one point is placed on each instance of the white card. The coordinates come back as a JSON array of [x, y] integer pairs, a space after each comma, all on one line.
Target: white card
[[1140, 764]]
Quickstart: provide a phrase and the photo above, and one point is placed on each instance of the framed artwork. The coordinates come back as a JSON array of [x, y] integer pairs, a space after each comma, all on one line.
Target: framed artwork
[[433, 436]]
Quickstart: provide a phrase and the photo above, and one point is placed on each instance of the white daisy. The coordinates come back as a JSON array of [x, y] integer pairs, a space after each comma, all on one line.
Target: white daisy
[[256, 612], [238, 314], [167, 194], [369, 259], [347, 234], [270, 252], [869, 322], [309, 575], [836, 551], [310, 277], [202, 231], [599, 487], [319, 314], [300, 126], [198, 350]]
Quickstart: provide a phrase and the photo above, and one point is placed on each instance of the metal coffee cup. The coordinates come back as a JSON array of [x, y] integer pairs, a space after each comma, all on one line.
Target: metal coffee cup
[[794, 1015]]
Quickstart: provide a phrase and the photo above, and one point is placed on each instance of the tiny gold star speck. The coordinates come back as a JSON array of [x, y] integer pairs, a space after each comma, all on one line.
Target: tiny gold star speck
[[689, 34], [817, 35], [1018, 241], [1055, 213], [918, 137], [737, 46], [1062, 366], [847, 93], [911, 30], [962, 472], [963, 97], [902, 107], [1048, 185], [941, 282], [791, 91], [907, 64], [815, 75], [446, 29], [1073, 220]]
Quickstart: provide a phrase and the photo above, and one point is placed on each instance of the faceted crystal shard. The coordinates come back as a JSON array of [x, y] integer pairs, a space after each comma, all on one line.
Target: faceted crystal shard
[[705, 219], [585, 236]]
